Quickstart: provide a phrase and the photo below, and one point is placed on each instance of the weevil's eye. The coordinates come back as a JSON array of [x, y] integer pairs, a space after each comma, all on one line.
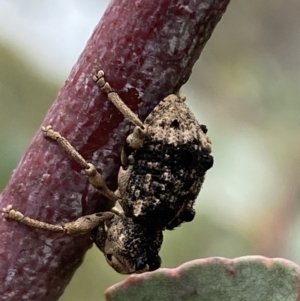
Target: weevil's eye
[[208, 160], [116, 264], [109, 257], [203, 127]]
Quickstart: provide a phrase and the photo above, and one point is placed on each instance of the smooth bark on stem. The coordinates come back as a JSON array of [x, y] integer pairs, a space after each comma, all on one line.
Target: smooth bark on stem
[[147, 50]]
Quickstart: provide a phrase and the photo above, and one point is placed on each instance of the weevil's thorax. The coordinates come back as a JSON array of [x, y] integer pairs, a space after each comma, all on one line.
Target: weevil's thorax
[[168, 170]]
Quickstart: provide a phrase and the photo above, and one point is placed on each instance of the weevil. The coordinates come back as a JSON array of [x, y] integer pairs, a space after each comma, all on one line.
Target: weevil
[[163, 165]]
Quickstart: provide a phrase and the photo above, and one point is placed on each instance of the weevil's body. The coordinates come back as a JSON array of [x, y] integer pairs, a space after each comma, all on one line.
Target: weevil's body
[[164, 162], [167, 170]]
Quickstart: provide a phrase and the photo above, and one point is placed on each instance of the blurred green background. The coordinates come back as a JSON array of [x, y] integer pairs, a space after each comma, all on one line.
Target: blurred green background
[[245, 88]]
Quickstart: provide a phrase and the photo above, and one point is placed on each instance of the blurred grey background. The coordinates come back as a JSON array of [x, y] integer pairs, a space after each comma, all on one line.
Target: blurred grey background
[[245, 88]]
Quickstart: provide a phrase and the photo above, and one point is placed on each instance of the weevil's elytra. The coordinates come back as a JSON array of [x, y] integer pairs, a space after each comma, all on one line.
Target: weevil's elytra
[[164, 161], [169, 168]]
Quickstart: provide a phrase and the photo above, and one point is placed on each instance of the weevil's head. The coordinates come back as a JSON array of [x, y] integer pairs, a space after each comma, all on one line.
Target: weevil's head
[[128, 247]]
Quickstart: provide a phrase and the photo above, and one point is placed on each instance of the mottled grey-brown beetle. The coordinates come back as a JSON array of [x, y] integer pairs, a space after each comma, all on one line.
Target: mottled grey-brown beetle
[[164, 162]]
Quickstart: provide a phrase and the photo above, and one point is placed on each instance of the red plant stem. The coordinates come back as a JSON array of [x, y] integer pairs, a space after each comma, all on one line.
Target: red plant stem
[[147, 50]]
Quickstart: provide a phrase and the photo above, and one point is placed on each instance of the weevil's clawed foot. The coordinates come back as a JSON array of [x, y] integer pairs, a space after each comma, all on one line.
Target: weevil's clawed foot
[[48, 132], [6, 210], [10, 213], [97, 74], [46, 129], [98, 77]]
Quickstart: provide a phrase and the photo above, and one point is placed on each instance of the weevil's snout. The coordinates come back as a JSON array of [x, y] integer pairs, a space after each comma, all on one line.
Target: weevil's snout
[[138, 265], [145, 264], [155, 263]]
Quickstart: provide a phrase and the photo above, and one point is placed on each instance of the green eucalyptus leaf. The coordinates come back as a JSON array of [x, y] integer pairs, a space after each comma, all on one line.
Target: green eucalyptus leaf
[[249, 278]]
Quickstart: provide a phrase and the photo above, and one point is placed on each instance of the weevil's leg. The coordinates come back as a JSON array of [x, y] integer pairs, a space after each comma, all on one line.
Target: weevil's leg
[[136, 139], [48, 132], [87, 223], [10, 213], [80, 226], [98, 182], [98, 77], [94, 176]]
